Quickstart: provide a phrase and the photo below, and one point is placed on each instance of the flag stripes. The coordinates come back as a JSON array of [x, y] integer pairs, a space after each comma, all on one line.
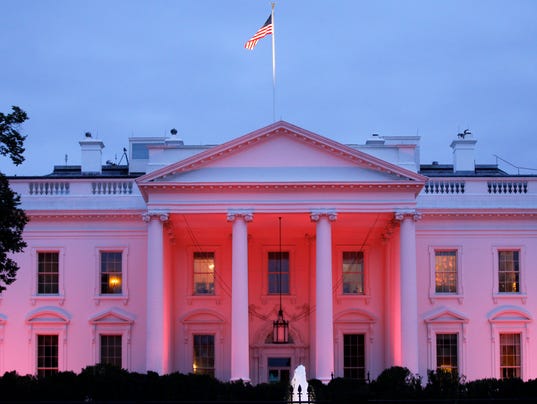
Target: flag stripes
[[262, 32]]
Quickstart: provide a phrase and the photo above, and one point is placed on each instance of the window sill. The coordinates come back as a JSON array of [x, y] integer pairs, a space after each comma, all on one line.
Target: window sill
[[446, 296], [353, 297], [509, 296], [100, 298], [203, 298], [60, 299]]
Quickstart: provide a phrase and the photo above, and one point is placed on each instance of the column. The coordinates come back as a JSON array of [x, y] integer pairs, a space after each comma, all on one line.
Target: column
[[156, 342], [240, 344], [409, 291], [324, 325]]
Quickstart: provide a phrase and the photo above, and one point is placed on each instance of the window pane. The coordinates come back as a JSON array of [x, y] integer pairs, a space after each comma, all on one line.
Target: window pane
[[353, 272], [47, 355], [279, 370], [354, 356], [447, 352], [510, 359], [111, 272], [445, 271], [203, 354], [204, 270], [48, 273], [508, 271], [111, 350], [274, 272]]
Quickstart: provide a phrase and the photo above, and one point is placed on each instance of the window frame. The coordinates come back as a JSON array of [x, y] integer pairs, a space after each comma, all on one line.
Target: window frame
[[56, 297], [433, 294], [208, 334], [457, 339], [364, 336], [522, 291], [509, 320], [446, 321], [48, 321], [500, 346], [337, 272], [264, 284], [124, 295], [113, 322], [219, 275], [194, 273], [280, 273]]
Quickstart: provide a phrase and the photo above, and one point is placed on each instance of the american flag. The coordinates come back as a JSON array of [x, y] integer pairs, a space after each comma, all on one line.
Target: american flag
[[262, 32]]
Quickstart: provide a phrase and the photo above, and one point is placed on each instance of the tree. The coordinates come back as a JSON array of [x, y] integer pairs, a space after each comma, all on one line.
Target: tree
[[12, 218]]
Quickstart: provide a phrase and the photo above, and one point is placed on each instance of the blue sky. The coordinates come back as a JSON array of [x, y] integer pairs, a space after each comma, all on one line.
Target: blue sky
[[345, 69]]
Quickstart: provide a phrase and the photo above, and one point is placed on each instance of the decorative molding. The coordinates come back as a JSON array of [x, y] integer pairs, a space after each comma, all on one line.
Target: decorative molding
[[245, 214], [162, 215], [318, 213]]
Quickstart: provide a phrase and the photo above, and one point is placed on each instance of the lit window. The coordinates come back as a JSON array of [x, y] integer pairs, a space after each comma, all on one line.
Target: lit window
[[354, 356], [48, 273], [203, 354], [508, 271], [111, 273], [510, 359], [278, 272], [279, 370], [353, 272], [447, 352], [47, 355], [111, 350], [445, 271], [204, 270]]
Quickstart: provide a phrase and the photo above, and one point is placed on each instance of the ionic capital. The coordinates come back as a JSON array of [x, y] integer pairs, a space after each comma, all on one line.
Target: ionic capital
[[246, 215], [317, 214], [161, 215], [403, 214]]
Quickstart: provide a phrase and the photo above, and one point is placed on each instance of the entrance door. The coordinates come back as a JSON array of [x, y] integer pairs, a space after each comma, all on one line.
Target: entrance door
[[279, 370]]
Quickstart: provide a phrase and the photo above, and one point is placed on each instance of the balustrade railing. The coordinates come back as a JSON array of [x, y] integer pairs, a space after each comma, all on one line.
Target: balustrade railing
[[111, 187], [48, 188], [444, 187], [507, 187]]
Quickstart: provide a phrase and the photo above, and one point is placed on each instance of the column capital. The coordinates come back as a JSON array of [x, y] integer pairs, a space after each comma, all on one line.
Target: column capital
[[403, 214], [315, 215], [161, 215], [246, 215]]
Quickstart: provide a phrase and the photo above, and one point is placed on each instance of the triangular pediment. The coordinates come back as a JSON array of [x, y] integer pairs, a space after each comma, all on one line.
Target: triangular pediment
[[112, 316], [280, 153], [445, 315]]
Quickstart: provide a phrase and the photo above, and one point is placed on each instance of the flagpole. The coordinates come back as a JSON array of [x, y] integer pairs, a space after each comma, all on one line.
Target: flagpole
[[273, 65]]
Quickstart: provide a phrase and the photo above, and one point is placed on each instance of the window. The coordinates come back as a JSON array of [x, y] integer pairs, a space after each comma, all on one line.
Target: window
[[111, 348], [48, 273], [445, 269], [111, 272], [510, 359], [353, 272], [279, 370], [278, 272], [204, 271], [447, 352], [203, 354], [47, 355], [508, 271], [354, 356]]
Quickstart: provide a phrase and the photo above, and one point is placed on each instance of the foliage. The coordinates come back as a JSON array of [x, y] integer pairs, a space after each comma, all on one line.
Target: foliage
[[12, 218], [443, 383], [396, 383]]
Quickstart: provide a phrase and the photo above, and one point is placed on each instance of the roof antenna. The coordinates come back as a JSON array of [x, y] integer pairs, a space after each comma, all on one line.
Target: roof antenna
[[123, 156], [66, 158]]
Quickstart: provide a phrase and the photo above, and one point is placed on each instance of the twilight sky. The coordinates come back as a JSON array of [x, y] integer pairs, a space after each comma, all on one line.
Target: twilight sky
[[345, 69]]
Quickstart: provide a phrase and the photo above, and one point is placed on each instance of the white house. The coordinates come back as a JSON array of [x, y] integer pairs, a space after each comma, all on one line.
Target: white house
[[182, 260]]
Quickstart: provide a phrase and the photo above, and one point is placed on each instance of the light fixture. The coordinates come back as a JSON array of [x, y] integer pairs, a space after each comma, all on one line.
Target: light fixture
[[280, 327]]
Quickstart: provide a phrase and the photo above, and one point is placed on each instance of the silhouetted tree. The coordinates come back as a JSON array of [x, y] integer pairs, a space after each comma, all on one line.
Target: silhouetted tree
[[12, 218]]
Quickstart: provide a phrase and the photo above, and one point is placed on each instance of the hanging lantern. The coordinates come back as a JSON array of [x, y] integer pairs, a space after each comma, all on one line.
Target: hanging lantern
[[280, 329]]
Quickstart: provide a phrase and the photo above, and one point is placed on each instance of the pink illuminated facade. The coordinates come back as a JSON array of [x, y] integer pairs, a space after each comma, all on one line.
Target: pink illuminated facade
[[174, 262]]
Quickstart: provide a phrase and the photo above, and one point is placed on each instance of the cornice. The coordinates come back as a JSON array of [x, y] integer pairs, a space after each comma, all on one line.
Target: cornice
[[485, 213], [36, 215]]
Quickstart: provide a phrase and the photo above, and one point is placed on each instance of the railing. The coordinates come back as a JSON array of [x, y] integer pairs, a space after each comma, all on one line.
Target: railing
[[111, 188], [48, 188], [444, 187], [507, 187]]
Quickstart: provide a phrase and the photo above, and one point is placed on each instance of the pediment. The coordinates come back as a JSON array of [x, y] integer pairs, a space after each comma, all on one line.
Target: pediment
[[444, 315], [48, 315], [203, 316], [280, 153], [354, 316], [113, 316], [509, 314]]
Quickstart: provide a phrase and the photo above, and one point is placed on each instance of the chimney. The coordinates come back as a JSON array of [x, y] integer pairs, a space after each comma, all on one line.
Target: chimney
[[463, 152], [91, 150]]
